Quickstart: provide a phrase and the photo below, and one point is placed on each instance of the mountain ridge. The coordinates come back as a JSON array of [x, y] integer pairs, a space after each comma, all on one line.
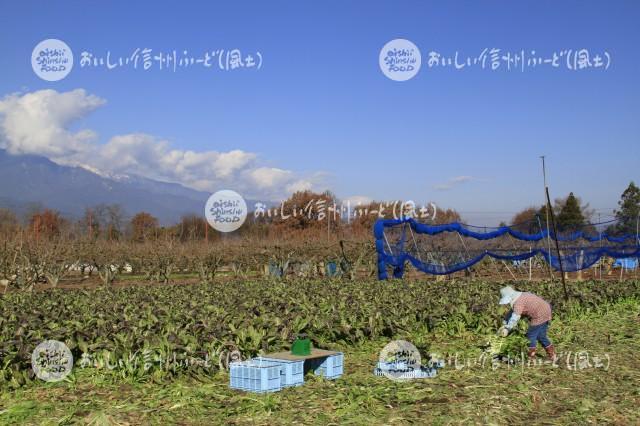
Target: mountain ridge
[[30, 179]]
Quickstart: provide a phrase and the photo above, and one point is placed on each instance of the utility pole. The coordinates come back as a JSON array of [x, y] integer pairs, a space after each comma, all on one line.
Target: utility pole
[[600, 244], [544, 177], [555, 230], [329, 223], [637, 242]]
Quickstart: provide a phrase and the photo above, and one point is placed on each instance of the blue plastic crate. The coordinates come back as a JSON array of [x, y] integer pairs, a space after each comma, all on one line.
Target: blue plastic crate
[[331, 269], [627, 263], [256, 375], [292, 371], [330, 367]]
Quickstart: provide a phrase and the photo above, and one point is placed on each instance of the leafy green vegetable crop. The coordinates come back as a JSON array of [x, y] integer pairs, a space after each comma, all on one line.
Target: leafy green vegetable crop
[[155, 332]]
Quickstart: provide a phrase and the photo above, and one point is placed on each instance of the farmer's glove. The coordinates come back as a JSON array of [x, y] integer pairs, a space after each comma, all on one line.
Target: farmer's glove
[[503, 332], [513, 320]]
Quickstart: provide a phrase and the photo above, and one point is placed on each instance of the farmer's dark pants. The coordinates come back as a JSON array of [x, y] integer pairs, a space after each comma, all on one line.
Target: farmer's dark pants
[[538, 333]]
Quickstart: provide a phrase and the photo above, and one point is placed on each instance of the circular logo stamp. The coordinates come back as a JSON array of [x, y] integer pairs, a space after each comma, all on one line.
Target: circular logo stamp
[[400, 59], [52, 59], [226, 210], [399, 359], [52, 361]]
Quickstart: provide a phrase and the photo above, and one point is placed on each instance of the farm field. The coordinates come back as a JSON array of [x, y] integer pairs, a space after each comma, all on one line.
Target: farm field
[[455, 319], [319, 213]]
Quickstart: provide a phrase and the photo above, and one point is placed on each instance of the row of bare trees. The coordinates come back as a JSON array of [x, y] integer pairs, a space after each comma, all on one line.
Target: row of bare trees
[[304, 215], [26, 262]]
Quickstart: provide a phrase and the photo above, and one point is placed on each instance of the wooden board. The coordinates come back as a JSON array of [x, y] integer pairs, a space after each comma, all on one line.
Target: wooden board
[[315, 353]]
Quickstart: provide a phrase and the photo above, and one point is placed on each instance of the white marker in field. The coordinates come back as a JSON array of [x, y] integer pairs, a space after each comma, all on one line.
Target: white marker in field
[[225, 210]]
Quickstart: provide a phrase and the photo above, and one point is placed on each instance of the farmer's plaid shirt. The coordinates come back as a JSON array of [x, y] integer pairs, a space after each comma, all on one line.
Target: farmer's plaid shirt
[[535, 307]]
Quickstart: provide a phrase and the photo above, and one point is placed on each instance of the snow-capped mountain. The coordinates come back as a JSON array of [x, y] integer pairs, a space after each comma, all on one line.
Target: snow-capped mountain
[[29, 179]]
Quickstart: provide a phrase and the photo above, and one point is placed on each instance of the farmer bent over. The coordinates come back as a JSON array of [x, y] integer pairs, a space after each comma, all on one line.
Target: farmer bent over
[[537, 310]]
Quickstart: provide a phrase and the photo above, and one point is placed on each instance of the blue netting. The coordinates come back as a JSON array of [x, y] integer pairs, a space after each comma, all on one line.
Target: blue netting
[[464, 230], [438, 257]]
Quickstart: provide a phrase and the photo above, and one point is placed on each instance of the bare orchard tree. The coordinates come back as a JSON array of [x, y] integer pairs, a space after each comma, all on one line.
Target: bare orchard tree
[[160, 260], [9, 259], [357, 256], [242, 258], [116, 218], [21, 267], [205, 259], [9, 223], [139, 258], [57, 258], [109, 259], [108, 219], [83, 251]]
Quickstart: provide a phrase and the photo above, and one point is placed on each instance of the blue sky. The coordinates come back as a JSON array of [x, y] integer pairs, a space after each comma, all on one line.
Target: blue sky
[[321, 109]]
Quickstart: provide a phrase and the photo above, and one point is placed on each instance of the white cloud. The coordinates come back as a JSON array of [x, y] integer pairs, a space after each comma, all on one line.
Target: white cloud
[[38, 123], [145, 155], [453, 182], [229, 162], [356, 200], [299, 185], [269, 177]]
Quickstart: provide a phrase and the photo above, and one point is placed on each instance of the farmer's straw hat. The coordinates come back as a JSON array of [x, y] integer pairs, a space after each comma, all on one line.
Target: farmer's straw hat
[[508, 295]]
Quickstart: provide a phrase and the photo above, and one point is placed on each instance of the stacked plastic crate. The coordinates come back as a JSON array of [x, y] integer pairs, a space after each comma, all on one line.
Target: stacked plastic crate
[[330, 367], [263, 374], [292, 371], [256, 375]]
